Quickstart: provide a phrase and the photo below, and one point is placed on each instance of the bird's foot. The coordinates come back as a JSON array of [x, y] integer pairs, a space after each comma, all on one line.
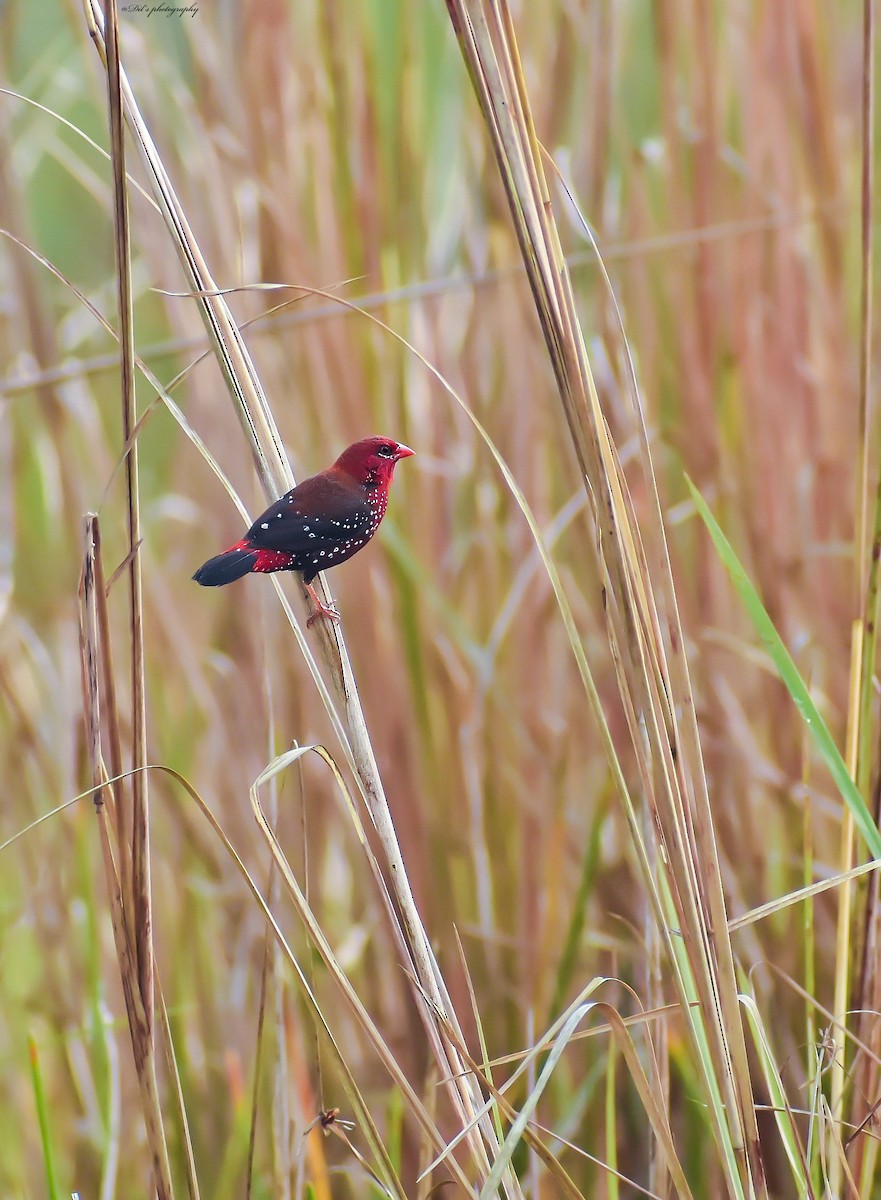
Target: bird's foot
[[330, 611], [324, 610]]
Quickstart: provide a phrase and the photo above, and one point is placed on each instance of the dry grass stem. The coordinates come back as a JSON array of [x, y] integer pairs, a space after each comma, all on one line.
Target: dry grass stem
[[582, 897]]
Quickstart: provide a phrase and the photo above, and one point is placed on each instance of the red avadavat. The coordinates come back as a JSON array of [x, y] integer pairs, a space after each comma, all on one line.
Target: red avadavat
[[323, 521]]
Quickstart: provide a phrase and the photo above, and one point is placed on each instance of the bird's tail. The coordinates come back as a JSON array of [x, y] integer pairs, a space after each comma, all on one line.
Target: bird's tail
[[239, 560]]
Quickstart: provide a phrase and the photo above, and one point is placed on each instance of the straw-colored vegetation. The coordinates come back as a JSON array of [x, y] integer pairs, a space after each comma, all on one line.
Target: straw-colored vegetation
[[526, 912]]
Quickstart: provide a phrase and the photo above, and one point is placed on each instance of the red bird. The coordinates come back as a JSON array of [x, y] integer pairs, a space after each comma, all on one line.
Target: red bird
[[323, 521]]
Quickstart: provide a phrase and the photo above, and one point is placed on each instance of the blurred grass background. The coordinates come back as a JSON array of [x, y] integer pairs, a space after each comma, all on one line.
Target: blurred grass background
[[715, 149]]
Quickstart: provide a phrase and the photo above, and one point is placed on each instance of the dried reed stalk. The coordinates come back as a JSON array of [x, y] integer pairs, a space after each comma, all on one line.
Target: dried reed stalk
[[95, 659], [276, 476], [867, 1000], [139, 897], [642, 618]]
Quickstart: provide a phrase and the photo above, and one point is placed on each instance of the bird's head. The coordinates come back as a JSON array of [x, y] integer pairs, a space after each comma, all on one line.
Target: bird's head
[[371, 462]]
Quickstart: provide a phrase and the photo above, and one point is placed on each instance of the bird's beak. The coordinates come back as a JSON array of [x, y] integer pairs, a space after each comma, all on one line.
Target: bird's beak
[[403, 452]]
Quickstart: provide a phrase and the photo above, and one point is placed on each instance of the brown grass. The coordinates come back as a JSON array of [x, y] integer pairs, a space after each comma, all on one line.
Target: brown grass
[[717, 154]]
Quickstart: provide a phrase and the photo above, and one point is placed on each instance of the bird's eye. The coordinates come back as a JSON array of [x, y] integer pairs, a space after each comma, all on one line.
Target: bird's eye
[[386, 451]]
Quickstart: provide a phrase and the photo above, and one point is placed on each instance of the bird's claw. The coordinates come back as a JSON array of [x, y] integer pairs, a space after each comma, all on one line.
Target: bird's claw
[[330, 611]]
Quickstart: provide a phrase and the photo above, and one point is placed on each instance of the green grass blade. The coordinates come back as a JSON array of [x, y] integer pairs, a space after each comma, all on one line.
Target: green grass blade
[[783, 1114], [792, 680], [43, 1120]]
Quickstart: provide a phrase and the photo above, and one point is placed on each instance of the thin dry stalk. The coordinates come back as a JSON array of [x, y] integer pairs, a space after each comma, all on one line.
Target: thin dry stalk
[[318, 938], [845, 925], [643, 623], [277, 478], [177, 1085], [140, 881], [92, 652], [617, 1026], [868, 982], [235, 362]]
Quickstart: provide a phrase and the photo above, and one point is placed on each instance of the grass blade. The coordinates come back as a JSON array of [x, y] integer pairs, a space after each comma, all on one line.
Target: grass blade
[[43, 1121], [789, 674]]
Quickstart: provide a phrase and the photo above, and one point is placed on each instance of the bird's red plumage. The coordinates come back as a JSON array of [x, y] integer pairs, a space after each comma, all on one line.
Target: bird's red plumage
[[320, 523], [268, 561]]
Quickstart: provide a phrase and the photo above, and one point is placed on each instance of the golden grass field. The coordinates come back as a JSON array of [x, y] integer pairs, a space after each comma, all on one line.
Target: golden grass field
[[557, 911]]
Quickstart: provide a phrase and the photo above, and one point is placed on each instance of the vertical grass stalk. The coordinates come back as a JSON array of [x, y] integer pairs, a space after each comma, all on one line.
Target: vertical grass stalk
[[642, 618]]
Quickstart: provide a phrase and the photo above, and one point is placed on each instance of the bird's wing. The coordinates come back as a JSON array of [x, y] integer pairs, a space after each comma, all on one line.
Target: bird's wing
[[319, 511]]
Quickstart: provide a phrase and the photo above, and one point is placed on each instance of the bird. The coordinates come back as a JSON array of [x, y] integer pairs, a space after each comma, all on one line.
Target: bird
[[320, 523]]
